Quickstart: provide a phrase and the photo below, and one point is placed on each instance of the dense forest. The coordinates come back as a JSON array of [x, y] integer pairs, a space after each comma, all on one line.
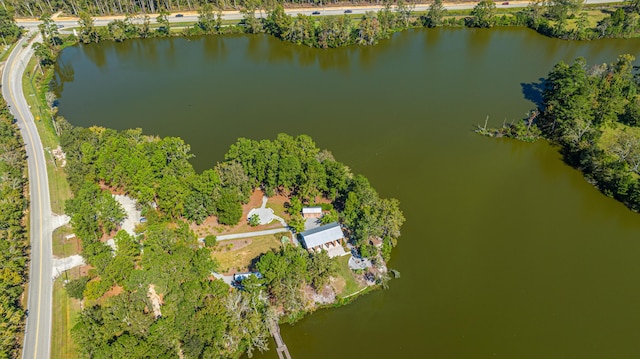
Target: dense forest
[[593, 113], [13, 236], [156, 172], [200, 317]]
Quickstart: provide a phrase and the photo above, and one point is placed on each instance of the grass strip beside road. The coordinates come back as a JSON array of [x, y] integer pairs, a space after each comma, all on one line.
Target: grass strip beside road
[[63, 247], [35, 87], [65, 311]]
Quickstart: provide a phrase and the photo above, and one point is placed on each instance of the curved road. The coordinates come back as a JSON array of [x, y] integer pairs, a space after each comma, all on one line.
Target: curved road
[[38, 330], [37, 341]]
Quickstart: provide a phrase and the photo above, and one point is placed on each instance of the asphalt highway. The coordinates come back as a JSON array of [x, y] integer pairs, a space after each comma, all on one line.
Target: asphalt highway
[[324, 11], [38, 330], [37, 341]]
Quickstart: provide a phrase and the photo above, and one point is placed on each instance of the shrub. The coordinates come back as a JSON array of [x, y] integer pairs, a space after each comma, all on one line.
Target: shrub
[[210, 241], [254, 220], [75, 288]]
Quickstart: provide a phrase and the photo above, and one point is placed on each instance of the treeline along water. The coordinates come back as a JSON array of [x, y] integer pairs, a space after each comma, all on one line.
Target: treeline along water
[[506, 251]]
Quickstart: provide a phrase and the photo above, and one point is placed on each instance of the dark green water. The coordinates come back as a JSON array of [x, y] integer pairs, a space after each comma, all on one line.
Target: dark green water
[[506, 252]]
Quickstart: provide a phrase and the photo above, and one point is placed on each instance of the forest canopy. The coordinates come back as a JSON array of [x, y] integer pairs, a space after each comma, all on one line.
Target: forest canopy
[[200, 316], [156, 171], [13, 235]]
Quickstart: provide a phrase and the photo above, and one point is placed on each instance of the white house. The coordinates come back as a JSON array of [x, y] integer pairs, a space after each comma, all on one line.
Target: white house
[[311, 212], [328, 237]]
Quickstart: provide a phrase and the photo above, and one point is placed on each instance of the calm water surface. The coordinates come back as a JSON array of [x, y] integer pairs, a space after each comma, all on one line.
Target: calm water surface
[[506, 252]]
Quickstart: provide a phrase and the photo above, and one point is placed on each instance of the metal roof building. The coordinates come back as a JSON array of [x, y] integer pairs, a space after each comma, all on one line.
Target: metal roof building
[[312, 210], [322, 235]]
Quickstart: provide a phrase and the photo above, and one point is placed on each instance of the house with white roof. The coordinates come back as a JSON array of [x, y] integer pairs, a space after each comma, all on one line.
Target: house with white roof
[[328, 237], [311, 212]]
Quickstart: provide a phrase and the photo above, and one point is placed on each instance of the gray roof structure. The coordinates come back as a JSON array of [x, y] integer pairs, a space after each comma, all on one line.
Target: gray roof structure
[[321, 235]]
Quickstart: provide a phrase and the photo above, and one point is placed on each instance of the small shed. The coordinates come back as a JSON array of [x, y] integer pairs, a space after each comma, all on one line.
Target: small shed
[[324, 237], [311, 212]]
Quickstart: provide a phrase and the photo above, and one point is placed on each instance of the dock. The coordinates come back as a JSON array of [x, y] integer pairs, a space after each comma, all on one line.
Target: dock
[[281, 347]]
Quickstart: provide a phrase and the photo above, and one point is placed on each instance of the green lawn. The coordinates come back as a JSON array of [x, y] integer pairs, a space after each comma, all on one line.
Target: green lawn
[[65, 311], [279, 210], [351, 285], [239, 259], [65, 247], [58, 185]]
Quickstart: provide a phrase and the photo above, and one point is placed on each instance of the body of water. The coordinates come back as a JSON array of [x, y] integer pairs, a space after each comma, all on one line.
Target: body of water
[[506, 252]]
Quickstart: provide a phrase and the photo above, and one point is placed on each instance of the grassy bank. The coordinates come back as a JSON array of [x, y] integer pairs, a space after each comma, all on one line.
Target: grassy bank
[[35, 85], [351, 286], [65, 310]]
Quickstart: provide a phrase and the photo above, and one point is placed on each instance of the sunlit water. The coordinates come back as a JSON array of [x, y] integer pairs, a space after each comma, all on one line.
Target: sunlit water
[[506, 252]]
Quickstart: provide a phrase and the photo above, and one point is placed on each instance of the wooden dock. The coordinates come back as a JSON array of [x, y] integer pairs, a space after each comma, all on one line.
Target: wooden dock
[[281, 347]]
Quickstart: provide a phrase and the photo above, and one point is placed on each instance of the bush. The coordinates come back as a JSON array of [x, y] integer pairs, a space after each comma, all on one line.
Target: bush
[[75, 288], [326, 206], [210, 241], [254, 220], [229, 210], [368, 250], [96, 288]]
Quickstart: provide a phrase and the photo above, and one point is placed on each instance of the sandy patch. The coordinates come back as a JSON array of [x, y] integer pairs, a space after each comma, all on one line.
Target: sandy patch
[[133, 214], [156, 300], [114, 291], [324, 296]]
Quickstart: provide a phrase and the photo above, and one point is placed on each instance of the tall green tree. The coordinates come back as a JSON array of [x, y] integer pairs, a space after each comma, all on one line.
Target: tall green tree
[[163, 20], [483, 14], [435, 14], [88, 31]]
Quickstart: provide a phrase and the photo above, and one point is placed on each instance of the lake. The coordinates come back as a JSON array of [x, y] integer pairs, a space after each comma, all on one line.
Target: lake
[[506, 252]]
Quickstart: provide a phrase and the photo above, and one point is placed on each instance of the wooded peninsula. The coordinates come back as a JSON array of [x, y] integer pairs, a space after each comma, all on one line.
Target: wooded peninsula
[[200, 315], [593, 114]]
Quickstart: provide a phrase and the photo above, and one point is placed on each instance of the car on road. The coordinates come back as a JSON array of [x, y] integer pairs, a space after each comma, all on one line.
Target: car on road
[[60, 26], [179, 15], [505, 3], [315, 13], [348, 11]]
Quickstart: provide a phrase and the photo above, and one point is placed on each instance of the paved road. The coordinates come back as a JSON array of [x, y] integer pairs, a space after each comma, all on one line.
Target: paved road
[[324, 11], [266, 232], [38, 336], [37, 342]]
